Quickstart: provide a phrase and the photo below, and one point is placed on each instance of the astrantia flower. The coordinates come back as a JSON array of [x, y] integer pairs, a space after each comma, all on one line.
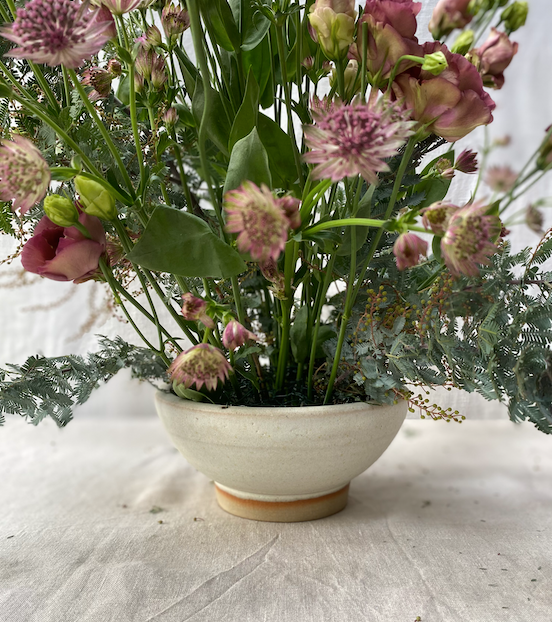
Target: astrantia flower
[[236, 335], [437, 216], [468, 239], [24, 174], [501, 178], [407, 249], [258, 219], [100, 81], [466, 162], [195, 309], [200, 365], [57, 33], [355, 139]]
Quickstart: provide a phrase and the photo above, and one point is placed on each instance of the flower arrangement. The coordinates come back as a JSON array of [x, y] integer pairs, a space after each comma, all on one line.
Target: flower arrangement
[[278, 191]]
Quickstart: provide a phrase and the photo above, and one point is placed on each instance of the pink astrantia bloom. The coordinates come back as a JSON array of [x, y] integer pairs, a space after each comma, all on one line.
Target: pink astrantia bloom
[[468, 240], [174, 20], [64, 253], [200, 365], [24, 174], [290, 206], [347, 140], [236, 335], [500, 178], [407, 249], [57, 33], [258, 219], [436, 217], [194, 309], [100, 81]]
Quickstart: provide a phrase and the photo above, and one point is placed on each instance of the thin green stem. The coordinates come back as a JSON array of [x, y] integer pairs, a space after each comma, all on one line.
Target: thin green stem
[[182, 173], [290, 259], [287, 96], [101, 127], [344, 222], [66, 86]]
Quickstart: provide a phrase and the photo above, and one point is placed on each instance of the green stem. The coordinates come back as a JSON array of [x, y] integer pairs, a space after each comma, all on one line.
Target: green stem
[[290, 259], [155, 137], [344, 222], [287, 95], [101, 127], [182, 173], [43, 116], [318, 320], [132, 104], [44, 85], [66, 86]]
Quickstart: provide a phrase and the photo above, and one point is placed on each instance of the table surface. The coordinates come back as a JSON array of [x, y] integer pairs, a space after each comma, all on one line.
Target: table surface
[[104, 521]]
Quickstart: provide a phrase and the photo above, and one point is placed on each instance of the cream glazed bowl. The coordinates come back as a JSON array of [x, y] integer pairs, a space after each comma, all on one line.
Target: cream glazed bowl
[[281, 464]]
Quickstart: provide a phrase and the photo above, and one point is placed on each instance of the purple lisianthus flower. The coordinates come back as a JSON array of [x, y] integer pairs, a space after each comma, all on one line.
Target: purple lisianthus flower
[[64, 253]]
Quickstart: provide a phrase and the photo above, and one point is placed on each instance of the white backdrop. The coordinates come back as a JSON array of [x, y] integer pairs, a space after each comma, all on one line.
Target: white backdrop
[[53, 318]]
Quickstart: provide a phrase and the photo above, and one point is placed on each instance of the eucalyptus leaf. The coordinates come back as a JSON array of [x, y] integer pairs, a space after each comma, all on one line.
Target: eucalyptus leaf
[[183, 244]]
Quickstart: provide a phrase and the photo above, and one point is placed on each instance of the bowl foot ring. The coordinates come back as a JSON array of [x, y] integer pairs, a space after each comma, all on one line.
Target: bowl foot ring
[[283, 511]]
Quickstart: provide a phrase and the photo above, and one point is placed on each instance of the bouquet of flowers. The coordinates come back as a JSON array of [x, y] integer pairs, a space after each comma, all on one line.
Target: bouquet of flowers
[[275, 175]]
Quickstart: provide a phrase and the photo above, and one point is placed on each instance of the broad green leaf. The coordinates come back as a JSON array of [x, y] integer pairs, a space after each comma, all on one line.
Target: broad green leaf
[[252, 24], [63, 173], [220, 22], [280, 153], [260, 62], [435, 188], [218, 126], [183, 244], [301, 340], [246, 117], [248, 161]]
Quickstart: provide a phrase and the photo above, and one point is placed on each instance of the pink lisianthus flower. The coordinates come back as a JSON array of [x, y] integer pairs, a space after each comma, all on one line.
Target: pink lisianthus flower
[[408, 249], [391, 34], [493, 57], [200, 365], [236, 335], [332, 25], [64, 253], [195, 309], [24, 173], [347, 140], [468, 240], [57, 33], [451, 104], [257, 217], [448, 15]]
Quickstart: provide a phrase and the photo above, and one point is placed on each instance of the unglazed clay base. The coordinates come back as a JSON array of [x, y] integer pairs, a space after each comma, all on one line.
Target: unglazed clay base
[[257, 507]]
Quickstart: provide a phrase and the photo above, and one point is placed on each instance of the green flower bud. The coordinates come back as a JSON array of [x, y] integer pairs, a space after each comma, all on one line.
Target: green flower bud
[[463, 43], [435, 63], [60, 210], [515, 15], [95, 199]]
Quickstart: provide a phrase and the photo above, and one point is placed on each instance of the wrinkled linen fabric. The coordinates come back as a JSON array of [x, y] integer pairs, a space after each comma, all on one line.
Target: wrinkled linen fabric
[[104, 521]]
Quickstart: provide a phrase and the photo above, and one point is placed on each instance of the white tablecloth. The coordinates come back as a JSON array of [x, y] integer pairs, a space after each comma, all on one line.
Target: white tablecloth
[[105, 521]]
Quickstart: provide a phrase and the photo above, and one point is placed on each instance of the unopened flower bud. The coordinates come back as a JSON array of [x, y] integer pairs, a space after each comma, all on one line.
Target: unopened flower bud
[[534, 219], [544, 159], [308, 63], [153, 36], [158, 73], [144, 63], [290, 206], [407, 249], [466, 162], [435, 63], [114, 67], [95, 199], [448, 15], [236, 335], [194, 309], [515, 15], [60, 210], [174, 20], [333, 22], [170, 117], [351, 79], [463, 43]]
